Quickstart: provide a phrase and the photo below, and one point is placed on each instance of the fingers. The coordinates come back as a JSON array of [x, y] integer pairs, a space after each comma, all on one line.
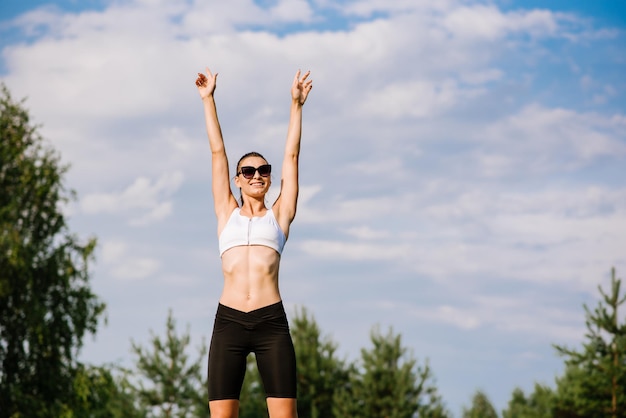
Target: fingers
[[296, 79], [304, 77], [211, 75], [202, 81], [307, 85], [302, 81]]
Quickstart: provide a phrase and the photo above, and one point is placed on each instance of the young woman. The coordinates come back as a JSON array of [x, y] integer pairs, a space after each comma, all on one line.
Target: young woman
[[250, 316]]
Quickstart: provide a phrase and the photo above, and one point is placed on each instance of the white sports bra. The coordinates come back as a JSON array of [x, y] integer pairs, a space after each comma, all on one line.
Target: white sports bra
[[258, 230]]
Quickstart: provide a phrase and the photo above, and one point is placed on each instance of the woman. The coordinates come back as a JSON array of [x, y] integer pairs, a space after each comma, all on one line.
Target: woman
[[250, 316]]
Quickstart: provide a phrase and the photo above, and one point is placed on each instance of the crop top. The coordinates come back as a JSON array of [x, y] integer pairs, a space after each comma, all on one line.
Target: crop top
[[258, 230]]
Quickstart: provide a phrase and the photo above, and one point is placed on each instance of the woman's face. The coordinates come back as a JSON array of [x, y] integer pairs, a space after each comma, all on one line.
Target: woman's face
[[257, 185]]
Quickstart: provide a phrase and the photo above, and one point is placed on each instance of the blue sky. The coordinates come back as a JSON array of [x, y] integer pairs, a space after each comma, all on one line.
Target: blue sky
[[462, 178]]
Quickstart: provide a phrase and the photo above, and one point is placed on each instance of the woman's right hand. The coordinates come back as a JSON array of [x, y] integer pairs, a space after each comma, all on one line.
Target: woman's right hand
[[206, 83]]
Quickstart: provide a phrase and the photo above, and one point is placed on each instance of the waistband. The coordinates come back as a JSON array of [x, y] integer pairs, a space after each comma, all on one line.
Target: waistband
[[269, 312]]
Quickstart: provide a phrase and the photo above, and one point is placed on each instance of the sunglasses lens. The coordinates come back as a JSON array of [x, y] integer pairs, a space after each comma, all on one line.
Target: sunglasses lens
[[265, 170], [248, 172]]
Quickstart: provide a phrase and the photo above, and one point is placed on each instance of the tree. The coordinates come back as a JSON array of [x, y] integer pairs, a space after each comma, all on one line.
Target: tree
[[101, 394], [252, 402], [481, 407], [539, 404], [595, 379], [388, 383], [572, 394], [320, 372], [46, 303], [170, 385]]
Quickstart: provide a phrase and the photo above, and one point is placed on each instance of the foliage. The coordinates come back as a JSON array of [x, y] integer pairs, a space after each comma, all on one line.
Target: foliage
[[320, 372], [388, 383], [539, 404], [46, 303], [481, 407], [99, 394], [252, 400], [170, 385], [595, 379]]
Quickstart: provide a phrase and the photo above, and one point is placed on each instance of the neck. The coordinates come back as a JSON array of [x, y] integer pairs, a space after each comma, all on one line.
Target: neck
[[253, 206]]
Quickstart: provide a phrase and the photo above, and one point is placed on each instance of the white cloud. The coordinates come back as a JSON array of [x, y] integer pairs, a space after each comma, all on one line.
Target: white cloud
[[366, 8], [135, 269], [352, 250], [289, 10], [415, 99], [518, 316], [488, 22], [540, 139], [113, 250], [121, 261], [141, 194], [550, 236], [448, 315], [158, 213], [483, 76], [367, 233]]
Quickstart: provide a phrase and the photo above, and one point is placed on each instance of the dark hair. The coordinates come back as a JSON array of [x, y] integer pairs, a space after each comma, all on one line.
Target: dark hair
[[249, 154]]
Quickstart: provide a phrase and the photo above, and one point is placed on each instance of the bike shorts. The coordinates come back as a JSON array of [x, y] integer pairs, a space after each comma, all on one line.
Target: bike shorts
[[264, 332]]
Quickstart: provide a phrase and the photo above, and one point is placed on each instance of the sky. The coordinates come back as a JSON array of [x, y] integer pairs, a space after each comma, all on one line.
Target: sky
[[463, 177]]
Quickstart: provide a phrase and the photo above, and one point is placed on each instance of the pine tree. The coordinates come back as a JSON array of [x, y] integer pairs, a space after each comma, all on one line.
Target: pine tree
[[481, 407], [170, 385], [320, 372], [388, 383], [252, 402], [595, 380], [539, 404]]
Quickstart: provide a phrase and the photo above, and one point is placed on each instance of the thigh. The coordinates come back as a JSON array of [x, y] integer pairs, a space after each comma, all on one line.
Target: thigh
[[227, 360], [276, 359]]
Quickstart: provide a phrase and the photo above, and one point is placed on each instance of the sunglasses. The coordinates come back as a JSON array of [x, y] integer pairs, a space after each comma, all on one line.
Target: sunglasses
[[248, 171]]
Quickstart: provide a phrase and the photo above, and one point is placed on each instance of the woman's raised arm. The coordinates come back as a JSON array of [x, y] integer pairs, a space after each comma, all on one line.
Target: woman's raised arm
[[285, 206], [223, 197]]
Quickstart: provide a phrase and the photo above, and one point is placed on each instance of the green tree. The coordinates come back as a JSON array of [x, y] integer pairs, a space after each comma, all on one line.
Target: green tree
[[320, 372], [170, 385], [595, 379], [46, 302], [388, 383], [252, 402], [101, 394], [539, 404], [481, 407], [573, 393]]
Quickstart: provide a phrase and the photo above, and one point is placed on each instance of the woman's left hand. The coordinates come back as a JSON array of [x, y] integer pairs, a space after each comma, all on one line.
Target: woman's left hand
[[301, 87]]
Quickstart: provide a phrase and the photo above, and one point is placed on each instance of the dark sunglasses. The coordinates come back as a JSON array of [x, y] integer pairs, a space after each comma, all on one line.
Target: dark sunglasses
[[248, 171]]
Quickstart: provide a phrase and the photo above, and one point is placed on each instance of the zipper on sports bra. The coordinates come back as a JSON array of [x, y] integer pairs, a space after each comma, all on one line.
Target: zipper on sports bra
[[249, 227]]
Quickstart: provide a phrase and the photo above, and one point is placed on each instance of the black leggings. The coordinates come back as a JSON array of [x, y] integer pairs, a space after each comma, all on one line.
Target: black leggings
[[264, 332]]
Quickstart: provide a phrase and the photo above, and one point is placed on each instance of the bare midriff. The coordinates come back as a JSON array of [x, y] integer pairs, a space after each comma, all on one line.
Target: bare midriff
[[250, 277]]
